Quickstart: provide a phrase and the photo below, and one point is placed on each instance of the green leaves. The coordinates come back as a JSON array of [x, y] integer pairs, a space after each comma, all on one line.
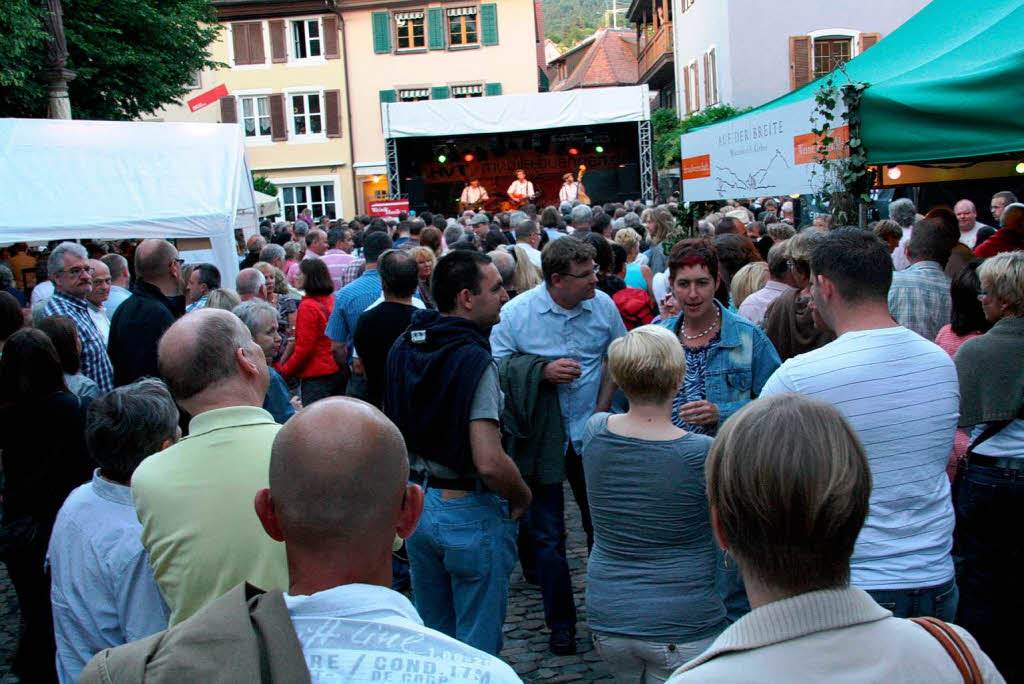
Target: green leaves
[[668, 128]]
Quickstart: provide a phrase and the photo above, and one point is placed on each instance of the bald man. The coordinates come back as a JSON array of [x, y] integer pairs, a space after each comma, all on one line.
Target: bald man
[[96, 298], [141, 319], [967, 218], [337, 497], [195, 499]]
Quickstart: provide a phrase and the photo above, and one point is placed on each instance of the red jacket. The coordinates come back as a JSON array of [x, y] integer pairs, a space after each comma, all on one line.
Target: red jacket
[[1004, 240], [312, 355]]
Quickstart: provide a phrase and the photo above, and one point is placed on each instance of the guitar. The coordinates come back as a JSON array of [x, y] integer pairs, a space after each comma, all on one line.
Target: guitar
[[520, 201], [581, 193]]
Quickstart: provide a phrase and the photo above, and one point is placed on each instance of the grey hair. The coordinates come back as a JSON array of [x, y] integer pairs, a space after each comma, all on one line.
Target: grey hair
[[780, 231], [565, 208], [271, 252], [206, 361], [903, 212], [254, 312], [631, 219], [515, 218], [128, 424], [705, 228], [55, 264], [117, 264], [505, 264], [249, 281], [6, 276], [294, 249], [453, 234], [582, 214]]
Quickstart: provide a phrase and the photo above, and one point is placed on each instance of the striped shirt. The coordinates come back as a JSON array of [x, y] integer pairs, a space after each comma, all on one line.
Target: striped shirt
[[95, 362], [919, 298], [900, 394]]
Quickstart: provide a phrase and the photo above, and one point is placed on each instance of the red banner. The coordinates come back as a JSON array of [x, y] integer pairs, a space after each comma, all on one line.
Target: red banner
[[207, 98], [389, 209]]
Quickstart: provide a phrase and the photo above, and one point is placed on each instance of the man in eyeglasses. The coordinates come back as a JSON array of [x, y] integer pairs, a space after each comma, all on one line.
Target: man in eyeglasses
[[71, 273], [153, 307]]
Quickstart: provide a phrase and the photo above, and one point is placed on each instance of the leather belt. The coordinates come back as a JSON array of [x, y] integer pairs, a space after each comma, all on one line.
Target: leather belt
[[1002, 462], [462, 484]]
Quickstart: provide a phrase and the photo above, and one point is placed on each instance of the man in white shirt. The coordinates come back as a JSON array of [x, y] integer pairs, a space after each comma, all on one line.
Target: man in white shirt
[[900, 394], [101, 282], [756, 305], [903, 212], [472, 195], [528, 237], [967, 218], [119, 291], [570, 191], [521, 191]]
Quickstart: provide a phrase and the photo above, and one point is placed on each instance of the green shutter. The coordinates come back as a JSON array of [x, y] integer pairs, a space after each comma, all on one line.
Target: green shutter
[[489, 24], [435, 28], [439, 93], [492, 89], [381, 32], [388, 96]]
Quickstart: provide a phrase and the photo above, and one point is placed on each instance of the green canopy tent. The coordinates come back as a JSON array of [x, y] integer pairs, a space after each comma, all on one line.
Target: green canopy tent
[[943, 86]]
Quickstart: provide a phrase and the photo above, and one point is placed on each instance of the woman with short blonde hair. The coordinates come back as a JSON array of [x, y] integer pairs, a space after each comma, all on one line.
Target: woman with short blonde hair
[[425, 260], [651, 599], [747, 281]]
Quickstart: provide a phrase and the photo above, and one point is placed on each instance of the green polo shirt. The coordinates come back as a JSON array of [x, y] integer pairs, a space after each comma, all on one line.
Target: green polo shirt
[[195, 502]]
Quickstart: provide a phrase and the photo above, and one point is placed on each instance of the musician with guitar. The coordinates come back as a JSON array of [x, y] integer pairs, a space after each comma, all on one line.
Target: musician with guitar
[[473, 196], [521, 192], [572, 189]]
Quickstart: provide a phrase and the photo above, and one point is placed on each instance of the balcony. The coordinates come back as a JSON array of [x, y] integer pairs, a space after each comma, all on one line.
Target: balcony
[[655, 56]]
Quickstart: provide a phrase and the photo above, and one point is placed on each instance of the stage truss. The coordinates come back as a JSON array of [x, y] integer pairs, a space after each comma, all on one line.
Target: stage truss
[[646, 161], [394, 182]]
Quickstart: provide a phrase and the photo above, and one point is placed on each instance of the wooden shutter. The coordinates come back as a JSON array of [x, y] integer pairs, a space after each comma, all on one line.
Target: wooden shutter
[[439, 93], [240, 43], [278, 47], [332, 113], [388, 96], [492, 89], [381, 32], [866, 40], [489, 24], [695, 82], [713, 70], [228, 109], [256, 53], [278, 125], [801, 61], [435, 28], [707, 81], [686, 89], [331, 38]]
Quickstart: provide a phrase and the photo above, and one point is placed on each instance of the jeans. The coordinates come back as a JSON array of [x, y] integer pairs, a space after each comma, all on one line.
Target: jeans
[[989, 508], [544, 525], [646, 662], [321, 387], [937, 601], [574, 473], [461, 555]]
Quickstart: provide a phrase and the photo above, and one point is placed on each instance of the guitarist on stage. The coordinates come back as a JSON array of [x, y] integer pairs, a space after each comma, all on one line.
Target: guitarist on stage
[[473, 196], [521, 191]]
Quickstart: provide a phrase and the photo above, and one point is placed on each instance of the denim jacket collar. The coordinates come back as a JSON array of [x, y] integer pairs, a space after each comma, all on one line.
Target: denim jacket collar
[[730, 335]]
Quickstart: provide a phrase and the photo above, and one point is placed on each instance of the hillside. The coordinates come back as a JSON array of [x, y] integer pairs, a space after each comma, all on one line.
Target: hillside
[[569, 21]]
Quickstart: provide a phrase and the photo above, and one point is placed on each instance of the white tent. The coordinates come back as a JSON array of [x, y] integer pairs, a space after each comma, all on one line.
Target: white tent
[[126, 179]]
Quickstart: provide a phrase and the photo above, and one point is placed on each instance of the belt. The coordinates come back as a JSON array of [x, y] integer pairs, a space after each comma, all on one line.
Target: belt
[[1003, 462], [462, 484]]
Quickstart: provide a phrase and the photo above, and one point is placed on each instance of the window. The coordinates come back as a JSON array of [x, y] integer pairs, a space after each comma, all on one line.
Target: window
[[710, 78], [195, 81], [409, 27], [687, 4], [414, 95], [464, 91], [256, 116], [307, 115], [318, 198], [830, 54], [693, 88], [306, 38], [462, 26]]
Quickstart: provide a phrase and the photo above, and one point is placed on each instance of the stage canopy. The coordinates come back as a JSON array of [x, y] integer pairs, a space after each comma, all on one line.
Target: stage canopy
[[126, 179], [942, 86], [500, 114]]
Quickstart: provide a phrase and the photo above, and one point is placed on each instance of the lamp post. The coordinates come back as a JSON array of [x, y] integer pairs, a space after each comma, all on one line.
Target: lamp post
[[56, 73]]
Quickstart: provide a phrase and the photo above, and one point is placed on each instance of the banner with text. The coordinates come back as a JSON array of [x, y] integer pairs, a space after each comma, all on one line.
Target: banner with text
[[389, 208], [763, 153]]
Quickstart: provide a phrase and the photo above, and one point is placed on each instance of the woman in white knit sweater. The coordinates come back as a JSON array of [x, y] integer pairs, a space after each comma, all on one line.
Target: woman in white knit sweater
[[788, 487]]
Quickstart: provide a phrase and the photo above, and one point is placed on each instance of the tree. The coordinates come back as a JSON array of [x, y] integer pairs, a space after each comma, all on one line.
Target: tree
[[131, 57], [669, 128], [261, 184]]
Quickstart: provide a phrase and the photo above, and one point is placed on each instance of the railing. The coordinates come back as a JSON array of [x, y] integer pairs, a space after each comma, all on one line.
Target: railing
[[653, 49]]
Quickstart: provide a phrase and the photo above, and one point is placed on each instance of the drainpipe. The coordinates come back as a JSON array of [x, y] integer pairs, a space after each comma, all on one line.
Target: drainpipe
[[333, 5]]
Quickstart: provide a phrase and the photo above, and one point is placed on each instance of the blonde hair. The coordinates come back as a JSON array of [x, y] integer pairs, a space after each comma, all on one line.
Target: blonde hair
[[273, 275], [648, 363], [1002, 276], [628, 239], [426, 253], [527, 276], [747, 281], [223, 299], [789, 482], [663, 223]]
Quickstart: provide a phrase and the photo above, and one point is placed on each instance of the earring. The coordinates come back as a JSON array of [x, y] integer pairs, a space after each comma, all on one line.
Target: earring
[[725, 559]]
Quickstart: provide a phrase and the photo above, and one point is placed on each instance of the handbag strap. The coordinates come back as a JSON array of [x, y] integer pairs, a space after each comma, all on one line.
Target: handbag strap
[[955, 647]]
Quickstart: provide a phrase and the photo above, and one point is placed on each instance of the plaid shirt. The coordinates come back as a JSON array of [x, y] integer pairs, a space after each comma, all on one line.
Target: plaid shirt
[[919, 298], [95, 362], [350, 272]]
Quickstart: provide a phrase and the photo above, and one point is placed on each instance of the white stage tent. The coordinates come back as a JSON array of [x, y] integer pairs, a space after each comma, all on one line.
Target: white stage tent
[[126, 179]]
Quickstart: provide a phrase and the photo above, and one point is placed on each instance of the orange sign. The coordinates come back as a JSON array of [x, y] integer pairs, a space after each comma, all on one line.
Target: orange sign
[[805, 147], [697, 167]]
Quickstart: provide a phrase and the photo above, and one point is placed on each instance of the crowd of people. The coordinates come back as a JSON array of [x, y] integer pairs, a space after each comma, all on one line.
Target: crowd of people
[[794, 448]]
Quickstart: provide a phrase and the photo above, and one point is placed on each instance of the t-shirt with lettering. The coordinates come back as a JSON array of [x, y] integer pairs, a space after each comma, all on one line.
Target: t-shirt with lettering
[[367, 633]]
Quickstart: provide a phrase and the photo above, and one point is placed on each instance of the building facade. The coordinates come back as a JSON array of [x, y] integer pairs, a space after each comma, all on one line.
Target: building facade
[[655, 55]]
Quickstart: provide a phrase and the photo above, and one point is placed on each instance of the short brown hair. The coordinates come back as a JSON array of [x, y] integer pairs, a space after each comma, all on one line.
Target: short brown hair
[[559, 256], [317, 278], [693, 252], [647, 364], [789, 482]]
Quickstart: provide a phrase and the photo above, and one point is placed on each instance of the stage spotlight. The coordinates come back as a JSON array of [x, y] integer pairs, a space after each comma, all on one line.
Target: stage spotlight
[[1019, 168], [894, 173], [573, 151], [441, 158], [468, 158], [599, 149]]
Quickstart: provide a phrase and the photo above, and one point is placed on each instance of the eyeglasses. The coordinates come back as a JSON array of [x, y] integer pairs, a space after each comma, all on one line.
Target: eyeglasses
[[180, 262], [76, 271], [982, 293], [582, 275]]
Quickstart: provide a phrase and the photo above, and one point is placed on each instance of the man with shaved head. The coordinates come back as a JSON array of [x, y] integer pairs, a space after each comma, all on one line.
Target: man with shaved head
[[195, 499], [338, 498], [141, 319], [967, 218]]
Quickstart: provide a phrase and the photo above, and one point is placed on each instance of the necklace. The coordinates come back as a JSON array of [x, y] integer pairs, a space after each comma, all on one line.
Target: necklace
[[718, 314]]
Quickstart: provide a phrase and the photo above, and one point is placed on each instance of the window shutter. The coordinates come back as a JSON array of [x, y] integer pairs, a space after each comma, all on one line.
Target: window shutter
[[278, 127], [240, 43], [686, 89], [435, 28], [381, 33], [489, 24], [801, 61], [331, 37], [707, 81], [256, 54], [866, 40], [439, 93], [695, 82], [492, 89], [228, 109], [278, 48], [332, 113], [388, 96], [714, 75]]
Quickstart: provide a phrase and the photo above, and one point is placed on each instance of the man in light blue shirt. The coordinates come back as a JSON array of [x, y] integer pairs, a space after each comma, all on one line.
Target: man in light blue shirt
[[119, 291], [102, 587], [570, 322]]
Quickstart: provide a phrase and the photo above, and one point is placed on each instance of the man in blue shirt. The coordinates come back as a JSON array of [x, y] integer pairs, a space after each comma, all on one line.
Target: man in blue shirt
[[119, 291], [572, 323]]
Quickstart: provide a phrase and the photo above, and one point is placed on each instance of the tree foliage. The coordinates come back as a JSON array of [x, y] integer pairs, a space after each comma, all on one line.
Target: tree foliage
[[567, 22], [261, 184], [131, 57], [668, 128]]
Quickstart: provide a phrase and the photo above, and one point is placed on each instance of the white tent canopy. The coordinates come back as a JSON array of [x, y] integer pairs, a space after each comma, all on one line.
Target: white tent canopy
[[126, 179], [501, 114]]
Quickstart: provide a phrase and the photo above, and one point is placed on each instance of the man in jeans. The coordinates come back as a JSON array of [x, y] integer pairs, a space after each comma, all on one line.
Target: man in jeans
[[900, 394], [443, 394]]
